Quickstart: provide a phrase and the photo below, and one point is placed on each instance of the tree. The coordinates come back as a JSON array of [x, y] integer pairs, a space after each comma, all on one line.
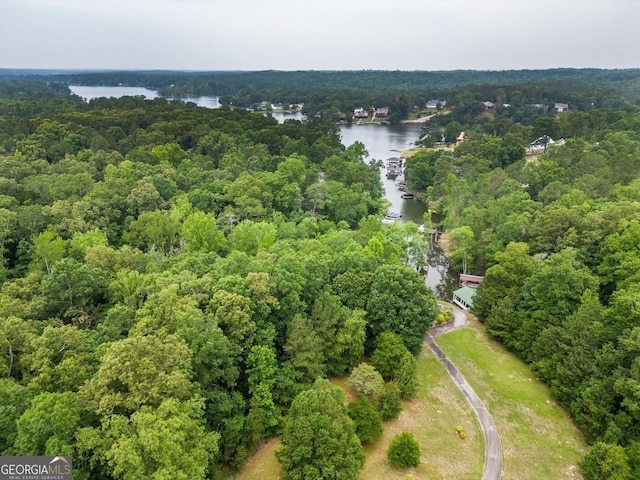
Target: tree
[[366, 380], [49, 248], [139, 371], [233, 313], [49, 425], [73, 289], [304, 347], [461, 246], [16, 335], [319, 439], [388, 401], [261, 377], [395, 362], [349, 343], [169, 442], [404, 451], [153, 231], [200, 233], [605, 462], [366, 418], [14, 400], [388, 355], [407, 377], [400, 302]]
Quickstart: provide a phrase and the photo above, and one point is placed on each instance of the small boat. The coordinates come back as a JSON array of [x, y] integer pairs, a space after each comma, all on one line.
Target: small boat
[[408, 195], [393, 216]]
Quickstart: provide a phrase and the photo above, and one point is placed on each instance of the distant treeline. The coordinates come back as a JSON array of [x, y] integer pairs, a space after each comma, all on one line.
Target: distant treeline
[[335, 93]]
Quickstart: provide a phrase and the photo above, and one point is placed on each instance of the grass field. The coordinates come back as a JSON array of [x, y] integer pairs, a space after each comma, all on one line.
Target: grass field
[[538, 439]]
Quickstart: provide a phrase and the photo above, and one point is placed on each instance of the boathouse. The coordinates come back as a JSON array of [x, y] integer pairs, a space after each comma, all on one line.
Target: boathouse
[[463, 297]]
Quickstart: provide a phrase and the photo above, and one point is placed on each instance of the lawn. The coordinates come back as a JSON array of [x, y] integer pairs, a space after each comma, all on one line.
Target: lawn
[[538, 438]]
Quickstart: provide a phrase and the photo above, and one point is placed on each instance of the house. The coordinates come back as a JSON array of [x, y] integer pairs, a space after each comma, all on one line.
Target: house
[[460, 138], [431, 104], [561, 107], [488, 105], [463, 297], [382, 112], [360, 113]]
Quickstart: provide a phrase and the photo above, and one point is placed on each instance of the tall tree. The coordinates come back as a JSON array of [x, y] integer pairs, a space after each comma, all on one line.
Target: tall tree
[[319, 439], [400, 302]]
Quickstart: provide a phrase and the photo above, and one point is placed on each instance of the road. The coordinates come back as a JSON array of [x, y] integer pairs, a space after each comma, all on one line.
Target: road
[[492, 445]]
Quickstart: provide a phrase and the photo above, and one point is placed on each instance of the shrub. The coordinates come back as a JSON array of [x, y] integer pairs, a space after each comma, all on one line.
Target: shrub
[[461, 433], [605, 461], [404, 451], [366, 380]]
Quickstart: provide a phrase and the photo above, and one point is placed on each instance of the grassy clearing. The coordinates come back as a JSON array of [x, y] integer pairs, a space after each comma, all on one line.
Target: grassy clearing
[[263, 465], [538, 438], [432, 417]]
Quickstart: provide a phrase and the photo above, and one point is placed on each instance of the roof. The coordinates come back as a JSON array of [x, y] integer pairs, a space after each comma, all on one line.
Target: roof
[[465, 294]]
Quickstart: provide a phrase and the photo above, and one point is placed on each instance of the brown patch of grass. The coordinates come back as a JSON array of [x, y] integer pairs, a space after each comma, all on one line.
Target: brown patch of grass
[[263, 464]]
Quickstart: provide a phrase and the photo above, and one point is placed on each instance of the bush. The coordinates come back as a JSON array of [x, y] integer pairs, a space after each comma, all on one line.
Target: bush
[[389, 401], [404, 451], [366, 380], [605, 461]]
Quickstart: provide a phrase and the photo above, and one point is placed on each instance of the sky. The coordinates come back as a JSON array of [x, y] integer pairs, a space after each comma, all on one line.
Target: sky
[[319, 34]]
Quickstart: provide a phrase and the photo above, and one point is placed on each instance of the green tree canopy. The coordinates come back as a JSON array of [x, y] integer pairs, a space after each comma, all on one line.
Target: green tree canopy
[[319, 439]]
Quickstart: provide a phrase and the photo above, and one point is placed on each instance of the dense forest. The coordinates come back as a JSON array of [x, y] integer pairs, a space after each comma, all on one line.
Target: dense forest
[[555, 229], [227, 261], [174, 277]]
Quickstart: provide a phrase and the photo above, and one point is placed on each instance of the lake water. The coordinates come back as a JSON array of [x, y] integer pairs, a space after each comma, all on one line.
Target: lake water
[[381, 142], [89, 93]]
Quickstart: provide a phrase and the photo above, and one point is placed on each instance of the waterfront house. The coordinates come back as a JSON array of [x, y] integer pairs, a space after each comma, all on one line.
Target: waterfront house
[[431, 104], [463, 297]]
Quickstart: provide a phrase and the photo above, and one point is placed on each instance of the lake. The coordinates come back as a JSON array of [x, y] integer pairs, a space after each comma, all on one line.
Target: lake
[[89, 93], [381, 142]]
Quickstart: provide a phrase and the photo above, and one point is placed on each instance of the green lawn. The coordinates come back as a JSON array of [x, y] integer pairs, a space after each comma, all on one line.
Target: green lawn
[[538, 438]]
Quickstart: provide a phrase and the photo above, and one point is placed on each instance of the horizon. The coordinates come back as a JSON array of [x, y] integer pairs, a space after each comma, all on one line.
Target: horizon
[[169, 70]]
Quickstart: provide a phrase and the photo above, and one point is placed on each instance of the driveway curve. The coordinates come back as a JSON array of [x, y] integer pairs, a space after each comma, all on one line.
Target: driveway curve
[[492, 446]]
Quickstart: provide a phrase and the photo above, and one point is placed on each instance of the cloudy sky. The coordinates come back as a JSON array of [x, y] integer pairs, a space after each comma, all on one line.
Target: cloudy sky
[[319, 34]]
